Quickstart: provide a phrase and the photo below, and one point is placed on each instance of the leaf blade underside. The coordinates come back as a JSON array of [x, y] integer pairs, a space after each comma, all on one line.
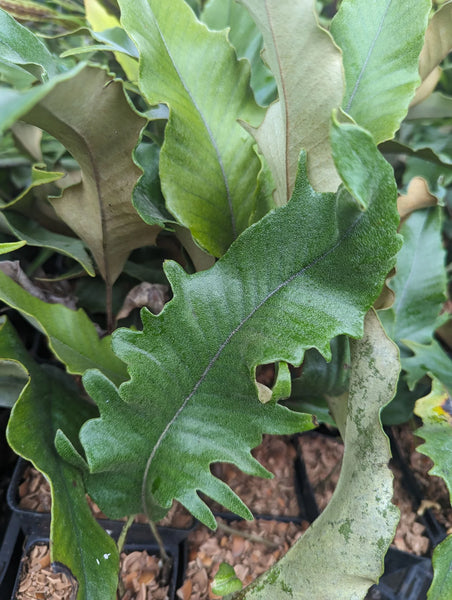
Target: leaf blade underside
[[192, 399]]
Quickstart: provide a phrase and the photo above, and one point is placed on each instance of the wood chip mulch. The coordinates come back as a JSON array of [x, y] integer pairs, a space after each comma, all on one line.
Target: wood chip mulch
[[249, 558], [39, 582], [323, 458], [277, 496], [139, 574], [434, 489]]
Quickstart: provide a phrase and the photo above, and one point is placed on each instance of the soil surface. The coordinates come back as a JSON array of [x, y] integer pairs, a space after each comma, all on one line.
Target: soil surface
[[277, 496], [265, 542], [323, 458], [139, 574]]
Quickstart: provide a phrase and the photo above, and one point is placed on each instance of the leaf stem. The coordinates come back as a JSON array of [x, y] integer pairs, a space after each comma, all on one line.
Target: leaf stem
[[123, 534], [166, 559]]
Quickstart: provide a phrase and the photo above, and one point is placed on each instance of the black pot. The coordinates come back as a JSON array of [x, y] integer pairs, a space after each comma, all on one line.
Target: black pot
[[175, 551], [10, 553], [307, 508], [35, 523], [406, 576]]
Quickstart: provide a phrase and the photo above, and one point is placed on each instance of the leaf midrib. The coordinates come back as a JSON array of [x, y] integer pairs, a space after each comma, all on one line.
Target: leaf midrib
[[214, 359], [367, 59], [206, 125]]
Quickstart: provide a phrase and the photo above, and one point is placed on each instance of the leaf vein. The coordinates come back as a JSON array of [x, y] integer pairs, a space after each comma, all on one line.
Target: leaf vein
[[226, 342]]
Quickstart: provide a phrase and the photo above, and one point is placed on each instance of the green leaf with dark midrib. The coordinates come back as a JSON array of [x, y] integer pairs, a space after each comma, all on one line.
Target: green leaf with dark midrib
[[380, 59], [208, 168], [191, 398], [51, 401]]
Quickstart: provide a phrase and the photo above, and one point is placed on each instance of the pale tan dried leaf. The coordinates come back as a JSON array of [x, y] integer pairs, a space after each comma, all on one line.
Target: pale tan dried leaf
[[151, 295], [418, 196]]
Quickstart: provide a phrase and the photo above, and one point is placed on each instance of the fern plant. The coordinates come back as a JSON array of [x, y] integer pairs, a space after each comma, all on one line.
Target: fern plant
[[267, 179]]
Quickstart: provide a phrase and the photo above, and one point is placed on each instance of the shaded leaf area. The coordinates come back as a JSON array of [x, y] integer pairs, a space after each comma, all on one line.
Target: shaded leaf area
[[148, 199], [107, 30], [435, 411], [15, 103], [321, 379], [13, 378], [192, 398], [72, 336], [380, 59], [420, 280], [346, 544], [308, 90], [428, 359], [50, 401], [34, 235], [101, 135], [246, 39], [208, 168]]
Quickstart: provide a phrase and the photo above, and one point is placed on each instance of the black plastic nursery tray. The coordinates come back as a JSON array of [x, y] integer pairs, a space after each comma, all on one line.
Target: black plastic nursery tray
[[406, 576], [38, 523], [307, 508], [10, 553], [175, 551]]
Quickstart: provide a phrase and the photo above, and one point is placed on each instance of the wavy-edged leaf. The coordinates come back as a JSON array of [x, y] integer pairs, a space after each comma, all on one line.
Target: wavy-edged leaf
[[208, 168], [20, 46], [381, 43], [435, 411], [72, 336], [246, 39], [101, 134], [427, 359], [442, 571], [16, 103], [192, 398], [417, 196], [420, 280], [307, 66], [341, 555], [50, 401]]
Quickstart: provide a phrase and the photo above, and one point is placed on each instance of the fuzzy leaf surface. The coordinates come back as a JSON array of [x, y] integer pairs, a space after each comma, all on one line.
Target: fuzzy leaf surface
[[51, 401], [420, 280], [72, 336], [381, 42], [101, 135], [341, 555], [208, 168], [309, 88], [192, 399]]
